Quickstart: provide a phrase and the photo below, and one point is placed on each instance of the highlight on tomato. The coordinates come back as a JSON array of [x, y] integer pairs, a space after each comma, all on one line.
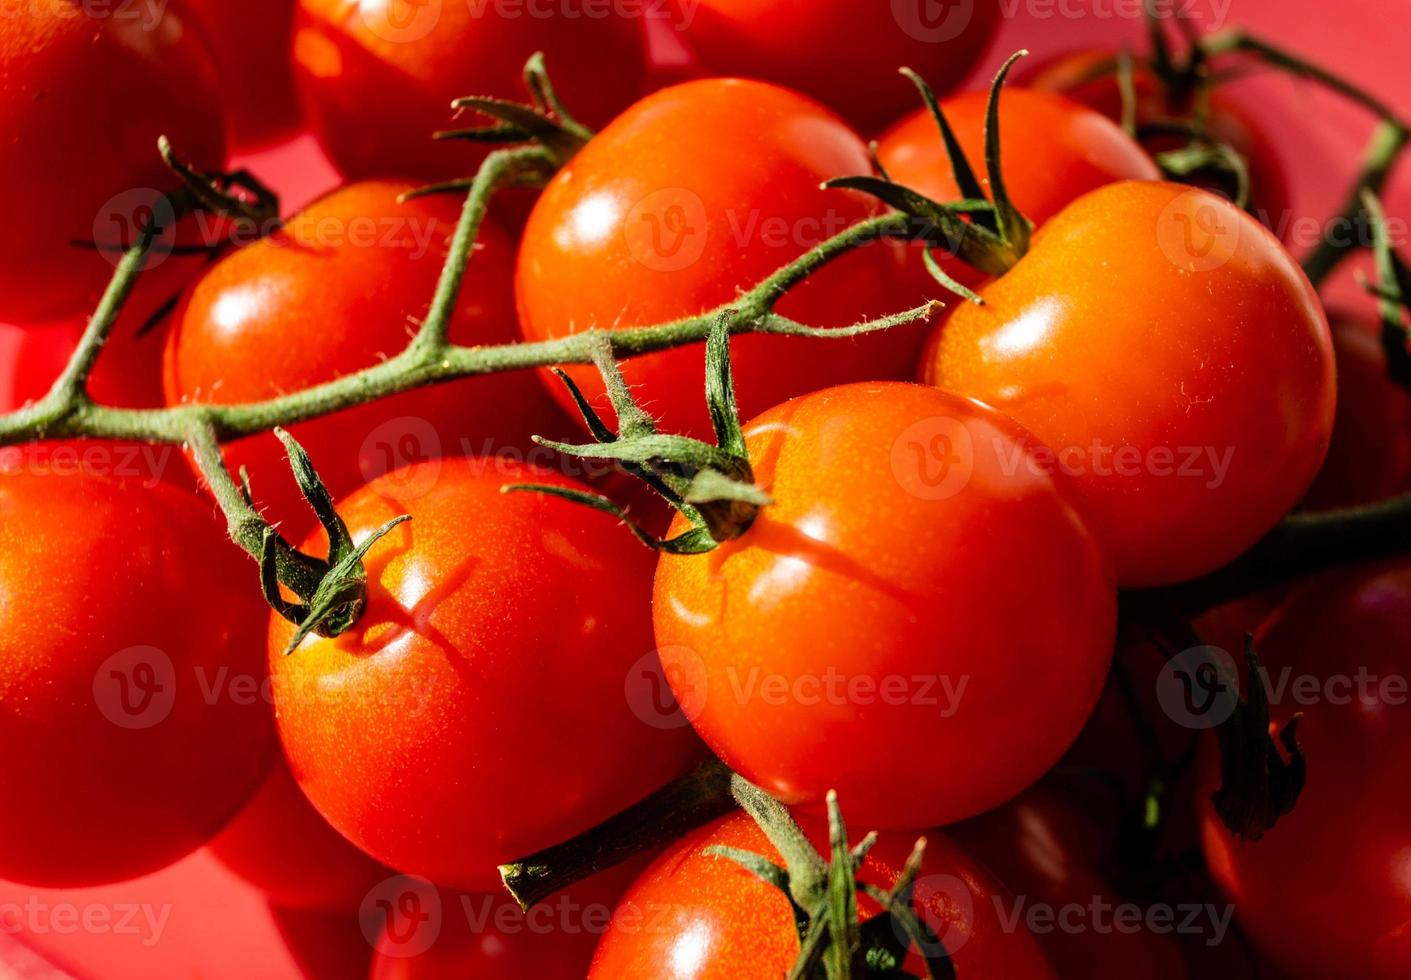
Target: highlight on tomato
[[699, 915], [130, 671], [1172, 356], [490, 701], [1336, 653], [693, 221], [922, 587], [72, 215], [796, 43], [340, 287], [377, 79]]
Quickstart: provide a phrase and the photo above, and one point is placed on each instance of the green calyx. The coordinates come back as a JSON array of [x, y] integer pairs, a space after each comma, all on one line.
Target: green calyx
[[1393, 292], [834, 942], [986, 232], [711, 485]]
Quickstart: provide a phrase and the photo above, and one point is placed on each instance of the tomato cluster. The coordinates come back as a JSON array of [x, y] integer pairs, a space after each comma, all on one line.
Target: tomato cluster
[[892, 575]]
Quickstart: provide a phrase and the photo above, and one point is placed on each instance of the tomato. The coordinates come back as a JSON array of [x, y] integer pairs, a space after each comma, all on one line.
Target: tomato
[[72, 79], [482, 708], [797, 43], [127, 657], [341, 288], [1226, 119], [250, 41], [916, 583], [281, 845], [1047, 852], [1324, 892], [377, 77], [693, 916], [489, 937], [1054, 150], [690, 223], [1173, 357], [1370, 456]]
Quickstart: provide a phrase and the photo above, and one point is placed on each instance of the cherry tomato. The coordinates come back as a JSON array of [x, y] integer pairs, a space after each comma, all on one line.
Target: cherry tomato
[[483, 707], [795, 43], [695, 916], [1175, 360], [489, 937], [690, 223], [917, 590], [281, 845], [378, 76], [340, 288], [1337, 652], [250, 41], [126, 671], [1370, 456], [155, 80], [1227, 120], [1055, 150], [1047, 852]]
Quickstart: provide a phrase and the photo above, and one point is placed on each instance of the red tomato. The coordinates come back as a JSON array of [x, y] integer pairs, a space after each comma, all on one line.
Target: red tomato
[[125, 666], [1370, 456], [690, 223], [1047, 853], [695, 916], [482, 708], [1175, 360], [1055, 150], [378, 76], [250, 40], [341, 288], [797, 43], [913, 584], [1227, 121], [1338, 653], [73, 79], [281, 845], [489, 937]]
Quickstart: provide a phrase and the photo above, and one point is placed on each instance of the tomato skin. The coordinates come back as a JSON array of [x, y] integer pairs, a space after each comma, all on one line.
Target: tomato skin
[[1347, 832], [156, 81], [1228, 121], [412, 733], [250, 41], [281, 845], [1046, 851], [124, 609], [1370, 456], [595, 254], [794, 43], [1225, 328], [694, 916], [1055, 150], [377, 79], [863, 571], [362, 268]]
